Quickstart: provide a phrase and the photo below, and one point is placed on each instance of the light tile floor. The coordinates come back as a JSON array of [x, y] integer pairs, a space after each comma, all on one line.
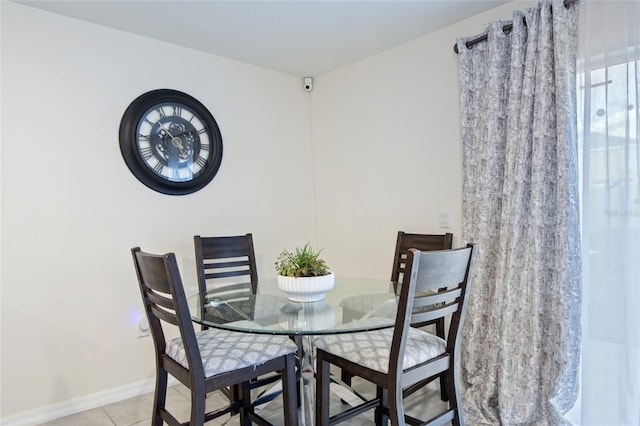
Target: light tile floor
[[136, 411]]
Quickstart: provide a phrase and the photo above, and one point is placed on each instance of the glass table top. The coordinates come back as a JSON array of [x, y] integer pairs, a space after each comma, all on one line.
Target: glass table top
[[271, 312]]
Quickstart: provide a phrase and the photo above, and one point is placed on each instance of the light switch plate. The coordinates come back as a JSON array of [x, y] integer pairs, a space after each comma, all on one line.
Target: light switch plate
[[444, 219]]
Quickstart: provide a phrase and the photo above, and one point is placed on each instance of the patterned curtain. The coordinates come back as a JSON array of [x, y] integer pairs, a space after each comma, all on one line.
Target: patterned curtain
[[521, 337]]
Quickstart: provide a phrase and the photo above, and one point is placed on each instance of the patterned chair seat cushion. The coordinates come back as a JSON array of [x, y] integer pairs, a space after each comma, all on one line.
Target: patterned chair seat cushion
[[224, 351], [371, 348]]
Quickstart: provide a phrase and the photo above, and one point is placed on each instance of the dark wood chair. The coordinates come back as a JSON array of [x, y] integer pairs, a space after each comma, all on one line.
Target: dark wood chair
[[396, 358], [357, 307], [228, 264], [194, 357], [422, 242]]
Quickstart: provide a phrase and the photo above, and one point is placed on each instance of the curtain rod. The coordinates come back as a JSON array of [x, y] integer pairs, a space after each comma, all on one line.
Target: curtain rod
[[507, 28]]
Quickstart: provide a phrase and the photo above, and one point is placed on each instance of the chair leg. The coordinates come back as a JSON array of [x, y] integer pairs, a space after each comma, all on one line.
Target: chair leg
[[454, 397], [160, 397], [322, 391], [380, 417], [289, 388], [440, 333], [395, 405], [234, 395], [245, 396], [198, 397]]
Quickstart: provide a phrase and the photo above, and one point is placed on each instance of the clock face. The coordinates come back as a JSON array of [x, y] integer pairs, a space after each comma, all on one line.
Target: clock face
[[170, 142]]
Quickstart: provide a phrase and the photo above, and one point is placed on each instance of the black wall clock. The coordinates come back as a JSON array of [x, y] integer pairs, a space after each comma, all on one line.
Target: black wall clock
[[170, 142]]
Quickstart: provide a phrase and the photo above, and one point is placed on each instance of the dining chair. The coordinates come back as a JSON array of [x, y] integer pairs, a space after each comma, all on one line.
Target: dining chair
[[206, 360], [228, 264], [357, 307], [395, 358]]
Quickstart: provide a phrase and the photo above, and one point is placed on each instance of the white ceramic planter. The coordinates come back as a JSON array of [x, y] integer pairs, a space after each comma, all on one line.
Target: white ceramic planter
[[306, 289]]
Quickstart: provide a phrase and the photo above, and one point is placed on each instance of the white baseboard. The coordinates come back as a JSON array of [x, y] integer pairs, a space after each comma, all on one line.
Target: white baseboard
[[83, 403]]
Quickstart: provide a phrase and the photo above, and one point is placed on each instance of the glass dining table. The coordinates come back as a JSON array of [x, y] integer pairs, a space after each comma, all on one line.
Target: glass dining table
[[269, 311]]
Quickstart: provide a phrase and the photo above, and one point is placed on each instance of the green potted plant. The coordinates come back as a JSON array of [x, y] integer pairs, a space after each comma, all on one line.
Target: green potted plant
[[303, 274]]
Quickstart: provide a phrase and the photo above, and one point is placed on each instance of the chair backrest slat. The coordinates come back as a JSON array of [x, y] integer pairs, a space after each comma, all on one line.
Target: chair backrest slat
[[226, 274], [432, 314], [161, 300], [153, 274], [225, 247], [222, 265], [427, 299], [443, 268], [164, 315], [239, 289]]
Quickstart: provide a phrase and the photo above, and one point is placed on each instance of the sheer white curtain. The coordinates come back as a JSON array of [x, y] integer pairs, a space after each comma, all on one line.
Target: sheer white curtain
[[608, 100]]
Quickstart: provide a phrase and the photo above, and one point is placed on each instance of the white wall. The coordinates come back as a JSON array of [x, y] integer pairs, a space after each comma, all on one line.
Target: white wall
[[387, 150], [71, 210], [386, 157]]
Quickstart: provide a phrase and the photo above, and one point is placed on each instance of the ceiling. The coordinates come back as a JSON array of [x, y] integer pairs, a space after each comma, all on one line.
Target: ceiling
[[304, 38]]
